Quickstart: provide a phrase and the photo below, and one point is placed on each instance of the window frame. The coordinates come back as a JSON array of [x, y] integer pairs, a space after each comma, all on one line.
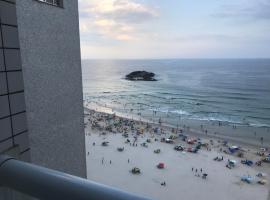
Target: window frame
[[54, 3]]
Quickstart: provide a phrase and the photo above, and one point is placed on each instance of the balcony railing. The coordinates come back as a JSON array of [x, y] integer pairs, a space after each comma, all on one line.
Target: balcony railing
[[44, 183]]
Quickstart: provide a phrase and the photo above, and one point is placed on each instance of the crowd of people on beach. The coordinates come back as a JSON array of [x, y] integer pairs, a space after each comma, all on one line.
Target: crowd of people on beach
[[160, 121], [110, 123]]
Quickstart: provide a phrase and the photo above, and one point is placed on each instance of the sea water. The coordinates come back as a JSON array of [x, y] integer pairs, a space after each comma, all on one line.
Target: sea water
[[227, 90]]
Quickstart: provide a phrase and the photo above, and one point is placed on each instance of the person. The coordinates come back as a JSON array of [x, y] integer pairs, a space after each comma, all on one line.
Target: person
[[88, 153], [262, 140], [128, 160], [159, 121], [102, 160], [201, 170], [94, 143], [110, 162], [192, 168], [196, 170]]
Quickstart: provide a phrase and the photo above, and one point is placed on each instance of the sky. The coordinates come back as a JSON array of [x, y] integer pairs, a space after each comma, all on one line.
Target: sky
[[162, 29]]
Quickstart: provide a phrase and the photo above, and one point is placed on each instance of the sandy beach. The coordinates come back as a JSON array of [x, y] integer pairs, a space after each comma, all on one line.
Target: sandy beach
[[183, 170]]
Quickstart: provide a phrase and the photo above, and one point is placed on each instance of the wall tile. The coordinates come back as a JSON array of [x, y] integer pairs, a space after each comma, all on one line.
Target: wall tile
[[19, 123], [1, 39], [3, 83], [13, 59], [10, 36], [5, 145], [15, 81], [8, 13], [2, 67], [22, 141], [17, 102], [4, 106], [5, 128]]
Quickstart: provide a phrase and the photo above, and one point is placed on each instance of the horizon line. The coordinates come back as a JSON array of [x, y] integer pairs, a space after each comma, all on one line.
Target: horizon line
[[255, 58]]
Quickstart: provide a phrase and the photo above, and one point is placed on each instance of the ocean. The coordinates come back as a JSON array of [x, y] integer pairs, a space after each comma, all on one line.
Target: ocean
[[234, 91]]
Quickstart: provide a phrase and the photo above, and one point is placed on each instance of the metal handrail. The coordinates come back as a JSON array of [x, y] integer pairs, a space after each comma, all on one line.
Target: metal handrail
[[44, 183]]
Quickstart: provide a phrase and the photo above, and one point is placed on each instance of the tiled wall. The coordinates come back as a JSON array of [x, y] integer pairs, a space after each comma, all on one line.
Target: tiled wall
[[13, 125]]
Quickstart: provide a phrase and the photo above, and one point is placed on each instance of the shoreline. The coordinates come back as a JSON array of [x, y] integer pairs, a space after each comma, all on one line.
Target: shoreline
[[193, 127], [164, 113]]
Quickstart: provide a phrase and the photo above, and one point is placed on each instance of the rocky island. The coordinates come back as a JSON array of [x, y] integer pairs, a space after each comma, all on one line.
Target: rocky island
[[141, 76]]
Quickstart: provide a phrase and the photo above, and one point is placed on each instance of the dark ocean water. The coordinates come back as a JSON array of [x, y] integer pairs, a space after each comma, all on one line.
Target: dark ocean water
[[227, 90]]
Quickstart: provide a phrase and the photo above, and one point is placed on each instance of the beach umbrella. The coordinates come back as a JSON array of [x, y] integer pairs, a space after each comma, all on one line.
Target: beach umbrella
[[161, 165]]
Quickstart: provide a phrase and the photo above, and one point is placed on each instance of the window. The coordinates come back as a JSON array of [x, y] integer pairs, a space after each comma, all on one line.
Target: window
[[58, 3]]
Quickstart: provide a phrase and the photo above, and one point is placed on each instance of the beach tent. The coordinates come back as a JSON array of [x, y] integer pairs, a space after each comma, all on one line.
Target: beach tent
[[231, 163], [233, 149], [247, 179], [247, 162]]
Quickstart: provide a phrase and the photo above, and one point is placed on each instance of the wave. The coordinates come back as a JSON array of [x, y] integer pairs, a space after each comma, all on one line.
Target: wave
[[221, 119], [261, 125], [229, 120], [168, 110], [255, 117]]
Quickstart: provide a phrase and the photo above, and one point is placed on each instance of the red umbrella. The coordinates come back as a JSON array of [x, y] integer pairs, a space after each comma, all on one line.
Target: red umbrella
[[161, 165]]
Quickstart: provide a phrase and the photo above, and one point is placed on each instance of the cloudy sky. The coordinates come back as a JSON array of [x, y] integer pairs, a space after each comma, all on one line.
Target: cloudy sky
[[175, 28]]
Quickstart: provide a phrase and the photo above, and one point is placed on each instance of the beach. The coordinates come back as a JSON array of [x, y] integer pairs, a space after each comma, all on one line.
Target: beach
[[183, 170]]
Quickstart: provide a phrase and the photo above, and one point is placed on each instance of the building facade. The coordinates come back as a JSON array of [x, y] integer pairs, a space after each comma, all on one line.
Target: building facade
[[51, 65], [41, 105]]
